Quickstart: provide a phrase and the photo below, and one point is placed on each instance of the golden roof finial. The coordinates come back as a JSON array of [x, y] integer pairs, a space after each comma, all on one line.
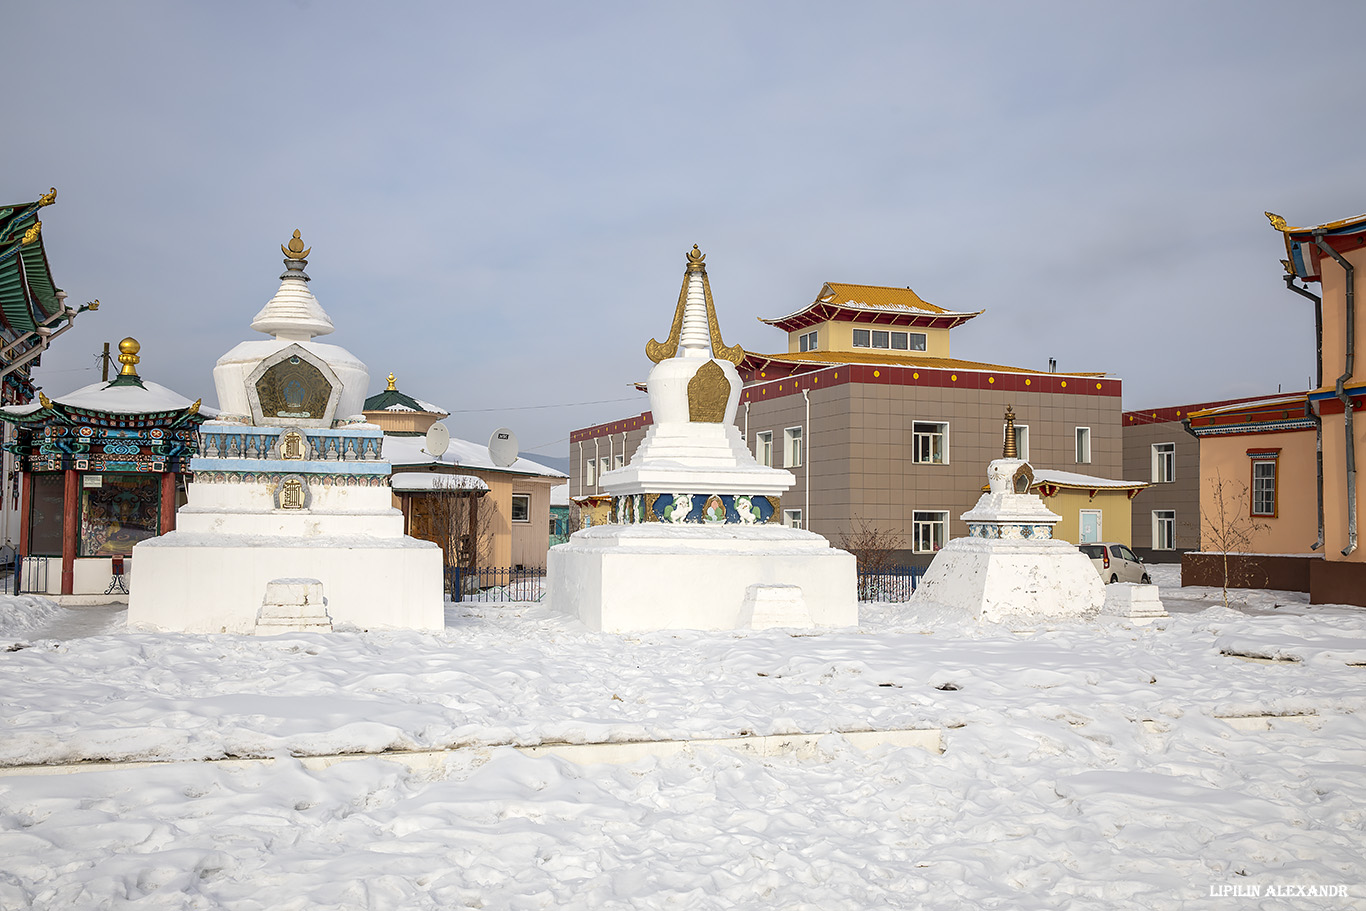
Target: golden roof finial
[[48, 198], [44, 400], [1010, 452], [391, 387], [194, 408], [1276, 221], [695, 257], [32, 233], [295, 249], [128, 356]]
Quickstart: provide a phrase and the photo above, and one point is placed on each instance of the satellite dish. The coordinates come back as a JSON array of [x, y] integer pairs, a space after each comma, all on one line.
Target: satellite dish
[[438, 438], [503, 447]]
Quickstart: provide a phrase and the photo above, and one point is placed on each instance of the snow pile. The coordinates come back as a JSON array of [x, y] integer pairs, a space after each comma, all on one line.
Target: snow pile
[[22, 614]]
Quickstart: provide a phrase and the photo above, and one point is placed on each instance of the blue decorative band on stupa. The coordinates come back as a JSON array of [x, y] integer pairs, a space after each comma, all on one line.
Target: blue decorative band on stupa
[[694, 509]]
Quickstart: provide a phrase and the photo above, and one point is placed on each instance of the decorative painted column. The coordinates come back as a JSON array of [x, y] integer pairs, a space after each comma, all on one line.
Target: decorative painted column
[[71, 507], [167, 502]]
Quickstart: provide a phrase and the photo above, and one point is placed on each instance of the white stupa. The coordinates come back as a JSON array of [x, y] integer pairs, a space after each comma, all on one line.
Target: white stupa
[[695, 540], [1010, 565], [290, 522]]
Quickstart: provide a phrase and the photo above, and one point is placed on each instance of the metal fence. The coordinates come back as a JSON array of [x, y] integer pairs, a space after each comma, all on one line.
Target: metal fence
[[895, 584], [495, 584], [28, 574]]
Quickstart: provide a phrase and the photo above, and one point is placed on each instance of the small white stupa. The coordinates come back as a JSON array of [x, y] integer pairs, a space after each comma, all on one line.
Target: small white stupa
[[290, 523], [1010, 565], [695, 540]]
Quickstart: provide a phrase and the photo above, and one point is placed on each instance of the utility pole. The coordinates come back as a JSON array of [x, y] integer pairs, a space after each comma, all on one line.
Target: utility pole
[[104, 364]]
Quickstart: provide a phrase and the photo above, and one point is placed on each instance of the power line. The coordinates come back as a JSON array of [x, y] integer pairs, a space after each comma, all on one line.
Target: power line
[[538, 407]]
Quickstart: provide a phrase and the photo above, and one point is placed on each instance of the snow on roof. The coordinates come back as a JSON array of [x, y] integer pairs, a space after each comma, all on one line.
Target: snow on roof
[[123, 399], [1085, 481], [430, 480], [400, 451], [559, 495]]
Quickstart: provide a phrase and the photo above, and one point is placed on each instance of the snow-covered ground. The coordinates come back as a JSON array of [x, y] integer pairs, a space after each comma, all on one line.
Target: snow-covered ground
[[1086, 764]]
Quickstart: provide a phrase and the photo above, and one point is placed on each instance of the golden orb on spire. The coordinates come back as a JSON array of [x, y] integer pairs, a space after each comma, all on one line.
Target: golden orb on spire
[[695, 257], [295, 248], [128, 356], [391, 387]]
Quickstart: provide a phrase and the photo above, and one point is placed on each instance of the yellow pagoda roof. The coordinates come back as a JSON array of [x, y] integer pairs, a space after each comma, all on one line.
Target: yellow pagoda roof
[[870, 303], [826, 358]]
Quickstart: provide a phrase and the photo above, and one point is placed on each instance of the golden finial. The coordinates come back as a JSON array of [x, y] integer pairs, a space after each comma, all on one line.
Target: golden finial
[[391, 387], [295, 250], [44, 400], [32, 233], [695, 257], [48, 198], [1276, 221], [128, 356], [1010, 452], [194, 409], [1289, 267]]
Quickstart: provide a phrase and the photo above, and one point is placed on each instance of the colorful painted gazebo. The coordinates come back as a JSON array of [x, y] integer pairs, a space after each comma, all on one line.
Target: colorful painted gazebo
[[101, 471]]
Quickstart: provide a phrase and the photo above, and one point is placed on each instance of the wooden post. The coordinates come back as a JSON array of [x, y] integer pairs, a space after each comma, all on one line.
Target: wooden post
[[167, 502], [71, 508], [474, 531], [25, 504]]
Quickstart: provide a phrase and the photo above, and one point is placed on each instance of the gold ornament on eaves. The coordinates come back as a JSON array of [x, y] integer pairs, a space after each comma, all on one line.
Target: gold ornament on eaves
[[658, 352]]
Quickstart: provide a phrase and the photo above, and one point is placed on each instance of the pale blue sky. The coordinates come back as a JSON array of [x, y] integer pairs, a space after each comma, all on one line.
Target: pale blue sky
[[499, 196]]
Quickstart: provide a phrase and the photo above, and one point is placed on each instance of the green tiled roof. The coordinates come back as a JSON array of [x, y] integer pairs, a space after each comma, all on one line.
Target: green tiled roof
[[28, 295], [391, 397]]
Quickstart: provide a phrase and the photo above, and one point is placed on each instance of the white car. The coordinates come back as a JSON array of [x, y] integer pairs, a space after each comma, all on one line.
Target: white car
[[1116, 562]]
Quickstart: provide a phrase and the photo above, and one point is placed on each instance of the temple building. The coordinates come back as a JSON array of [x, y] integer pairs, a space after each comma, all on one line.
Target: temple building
[[881, 424], [102, 469], [33, 312], [504, 511]]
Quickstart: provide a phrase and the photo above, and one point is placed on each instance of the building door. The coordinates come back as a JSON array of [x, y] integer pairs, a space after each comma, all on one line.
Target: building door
[[1090, 526]]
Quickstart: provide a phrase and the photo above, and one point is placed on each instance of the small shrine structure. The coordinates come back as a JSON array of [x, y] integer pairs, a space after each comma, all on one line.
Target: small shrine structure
[[1010, 565], [289, 523], [695, 539], [103, 468]]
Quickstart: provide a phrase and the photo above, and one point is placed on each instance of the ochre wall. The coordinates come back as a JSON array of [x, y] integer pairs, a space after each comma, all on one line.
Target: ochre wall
[[1116, 514], [1334, 289], [1295, 527], [838, 335]]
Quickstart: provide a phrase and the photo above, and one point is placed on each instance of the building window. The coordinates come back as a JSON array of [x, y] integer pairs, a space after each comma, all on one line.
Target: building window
[[118, 513], [619, 460], [792, 447], [930, 531], [1164, 529], [1083, 445], [47, 499], [1164, 463], [930, 443], [763, 448], [1264, 487], [590, 472], [885, 338], [792, 518], [1022, 441], [521, 507], [604, 466], [807, 342]]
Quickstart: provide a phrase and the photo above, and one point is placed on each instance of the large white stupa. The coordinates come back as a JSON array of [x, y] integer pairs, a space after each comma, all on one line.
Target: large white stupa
[[1010, 565], [290, 522], [695, 540]]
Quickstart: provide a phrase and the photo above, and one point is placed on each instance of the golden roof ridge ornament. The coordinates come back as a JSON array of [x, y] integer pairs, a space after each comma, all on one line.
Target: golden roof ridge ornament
[[1276, 221], [657, 352], [128, 356], [48, 198], [391, 387], [295, 249], [44, 400], [32, 233]]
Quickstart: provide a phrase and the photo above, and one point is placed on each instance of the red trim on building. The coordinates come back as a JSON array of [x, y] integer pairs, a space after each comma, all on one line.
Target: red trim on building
[[602, 430], [1177, 412]]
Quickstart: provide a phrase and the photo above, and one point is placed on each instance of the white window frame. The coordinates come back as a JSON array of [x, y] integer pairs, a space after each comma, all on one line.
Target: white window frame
[[1021, 441], [1083, 446], [1164, 518], [868, 338], [792, 447], [619, 460], [763, 448], [522, 498], [942, 433], [807, 341], [604, 466], [1164, 458], [1264, 487], [792, 518], [590, 472], [929, 530], [895, 339]]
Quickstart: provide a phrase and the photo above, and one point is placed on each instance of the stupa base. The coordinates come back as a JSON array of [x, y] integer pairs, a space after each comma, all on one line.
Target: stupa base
[[997, 579], [637, 578], [216, 583]]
